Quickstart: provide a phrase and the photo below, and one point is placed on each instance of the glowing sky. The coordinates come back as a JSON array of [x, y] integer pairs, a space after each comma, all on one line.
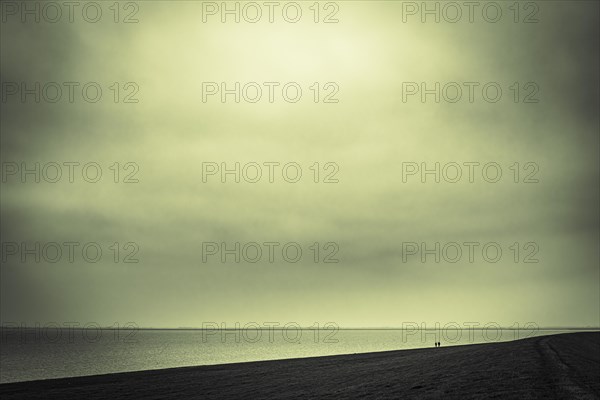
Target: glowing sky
[[368, 133]]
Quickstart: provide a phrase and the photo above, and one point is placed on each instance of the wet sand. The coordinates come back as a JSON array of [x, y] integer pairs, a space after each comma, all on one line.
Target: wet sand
[[565, 366]]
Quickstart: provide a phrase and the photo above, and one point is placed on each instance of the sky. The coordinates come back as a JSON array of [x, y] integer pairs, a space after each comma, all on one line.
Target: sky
[[368, 209]]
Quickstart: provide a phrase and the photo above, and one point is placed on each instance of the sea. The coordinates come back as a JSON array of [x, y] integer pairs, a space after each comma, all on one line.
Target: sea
[[55, 352]]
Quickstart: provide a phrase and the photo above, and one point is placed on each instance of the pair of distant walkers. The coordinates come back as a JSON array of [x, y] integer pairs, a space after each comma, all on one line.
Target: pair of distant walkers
[[437, 344]]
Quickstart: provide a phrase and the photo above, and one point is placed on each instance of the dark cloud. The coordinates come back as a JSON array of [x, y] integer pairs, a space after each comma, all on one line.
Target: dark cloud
[[368, 134]]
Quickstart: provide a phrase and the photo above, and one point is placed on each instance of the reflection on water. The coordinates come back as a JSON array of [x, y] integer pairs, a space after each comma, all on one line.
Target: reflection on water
[[28, 354]]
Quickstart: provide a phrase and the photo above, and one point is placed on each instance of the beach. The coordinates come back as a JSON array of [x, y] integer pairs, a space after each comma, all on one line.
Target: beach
[[565, 366]]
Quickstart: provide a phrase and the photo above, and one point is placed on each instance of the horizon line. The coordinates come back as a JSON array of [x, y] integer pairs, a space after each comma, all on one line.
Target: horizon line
[[183, 328]]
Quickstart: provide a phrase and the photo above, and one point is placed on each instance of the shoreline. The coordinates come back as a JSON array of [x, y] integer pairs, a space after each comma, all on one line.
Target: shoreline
[[563, 365], [448, 345]]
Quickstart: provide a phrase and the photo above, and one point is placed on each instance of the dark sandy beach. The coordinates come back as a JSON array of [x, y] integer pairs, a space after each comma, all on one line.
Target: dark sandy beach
[[565, 366]]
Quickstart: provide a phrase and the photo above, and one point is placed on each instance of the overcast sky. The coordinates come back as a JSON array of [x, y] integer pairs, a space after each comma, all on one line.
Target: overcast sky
[[369, 133]]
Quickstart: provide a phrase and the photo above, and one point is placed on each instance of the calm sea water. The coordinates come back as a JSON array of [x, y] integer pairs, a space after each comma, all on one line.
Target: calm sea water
[[29, 354]]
